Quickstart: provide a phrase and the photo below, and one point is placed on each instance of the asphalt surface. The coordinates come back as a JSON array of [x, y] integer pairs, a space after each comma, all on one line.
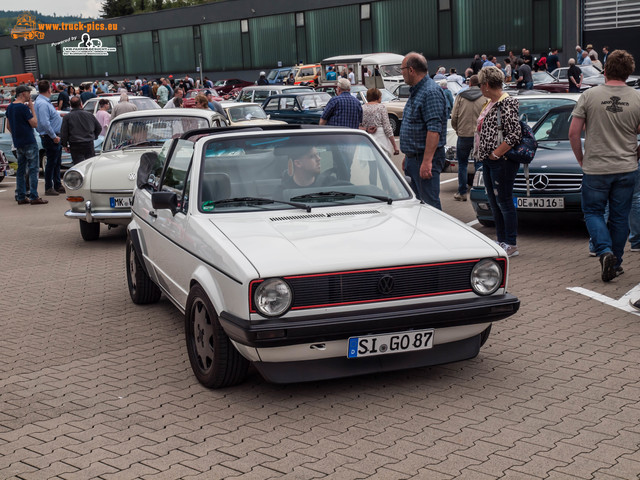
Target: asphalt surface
[[93, 386]]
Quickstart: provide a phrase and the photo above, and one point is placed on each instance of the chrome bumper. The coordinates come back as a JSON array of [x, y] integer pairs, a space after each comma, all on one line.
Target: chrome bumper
[[89, 216]]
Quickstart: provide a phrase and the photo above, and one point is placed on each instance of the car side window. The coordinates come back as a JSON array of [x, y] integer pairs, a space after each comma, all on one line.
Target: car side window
[[272, 104], [287, 103], [89, 106], [246, 96], [176, 174], [261, 96]]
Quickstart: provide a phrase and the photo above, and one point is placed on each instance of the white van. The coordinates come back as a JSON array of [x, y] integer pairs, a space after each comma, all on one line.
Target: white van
[[381, 70]]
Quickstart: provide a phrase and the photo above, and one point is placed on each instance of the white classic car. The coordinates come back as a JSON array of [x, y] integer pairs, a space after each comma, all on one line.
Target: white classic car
[[100, 189], [304, 251], [243, 113]]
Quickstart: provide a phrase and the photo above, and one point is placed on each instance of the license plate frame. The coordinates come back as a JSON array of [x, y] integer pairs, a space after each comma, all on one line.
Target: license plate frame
[[539, 203], [390, 343], [120, 202]]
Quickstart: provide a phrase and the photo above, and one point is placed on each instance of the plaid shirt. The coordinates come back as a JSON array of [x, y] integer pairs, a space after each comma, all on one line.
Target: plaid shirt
[[425, 111], [343, 110]]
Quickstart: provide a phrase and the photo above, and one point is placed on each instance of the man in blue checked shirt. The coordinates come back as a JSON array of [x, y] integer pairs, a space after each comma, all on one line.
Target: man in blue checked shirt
[[423, 132], [343, 110], [49, 123]]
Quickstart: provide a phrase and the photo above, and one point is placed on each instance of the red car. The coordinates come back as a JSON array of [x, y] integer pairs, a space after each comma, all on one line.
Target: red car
[[226, 85], [189, 100]]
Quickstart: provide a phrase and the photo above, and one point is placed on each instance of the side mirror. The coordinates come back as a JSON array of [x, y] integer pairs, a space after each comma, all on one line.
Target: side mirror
[[165, 200]]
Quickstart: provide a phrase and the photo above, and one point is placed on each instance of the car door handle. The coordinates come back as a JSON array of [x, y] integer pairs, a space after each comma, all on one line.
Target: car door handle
[[153, 214]]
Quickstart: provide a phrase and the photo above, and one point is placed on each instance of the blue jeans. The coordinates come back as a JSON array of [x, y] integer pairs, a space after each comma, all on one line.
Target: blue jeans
[[634, 216], [54, 159], [27, 160], [463, 149], [597, 190], [427, 190], [499, 177]]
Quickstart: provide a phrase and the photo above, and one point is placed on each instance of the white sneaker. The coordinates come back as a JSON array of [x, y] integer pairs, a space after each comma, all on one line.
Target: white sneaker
[[512, 250]]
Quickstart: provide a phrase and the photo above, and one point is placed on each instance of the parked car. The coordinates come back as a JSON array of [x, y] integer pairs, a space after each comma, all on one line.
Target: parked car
[[305, 74], [242, 113], [259, 93], [533, 106], [342, 277], [591, 77], [278, 75], [394, 105], [189, 100], [297, 107], [555, 177], [142, 103], [226, 85], [99, 190]]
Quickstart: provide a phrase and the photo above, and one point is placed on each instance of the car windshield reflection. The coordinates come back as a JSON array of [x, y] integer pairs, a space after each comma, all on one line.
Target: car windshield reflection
[[149, 131], [266, 172]]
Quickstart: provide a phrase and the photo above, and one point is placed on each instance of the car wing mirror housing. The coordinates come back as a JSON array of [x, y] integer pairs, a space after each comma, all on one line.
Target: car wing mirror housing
[[165, 201]]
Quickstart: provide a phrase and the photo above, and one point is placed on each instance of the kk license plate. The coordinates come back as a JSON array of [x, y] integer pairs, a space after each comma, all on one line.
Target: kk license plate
[[371, 345], [120, 202], [544, 203]]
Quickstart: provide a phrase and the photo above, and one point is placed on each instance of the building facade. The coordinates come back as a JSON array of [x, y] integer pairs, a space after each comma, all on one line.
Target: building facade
[[241, 37]]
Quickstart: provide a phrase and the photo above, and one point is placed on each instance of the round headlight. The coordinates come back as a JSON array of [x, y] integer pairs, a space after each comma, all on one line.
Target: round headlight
[[486, 277], [273, 297], [73, 179]]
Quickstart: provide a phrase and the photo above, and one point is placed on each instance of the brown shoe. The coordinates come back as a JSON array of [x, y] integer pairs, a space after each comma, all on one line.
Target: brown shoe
[[24, 201], [39, 201], [61, 189], [51, 192]]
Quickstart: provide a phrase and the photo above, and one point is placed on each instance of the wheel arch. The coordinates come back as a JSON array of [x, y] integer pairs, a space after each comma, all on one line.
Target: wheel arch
[[134, 236], [221, 290]]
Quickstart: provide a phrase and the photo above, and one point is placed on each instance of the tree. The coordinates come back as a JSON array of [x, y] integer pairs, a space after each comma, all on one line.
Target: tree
[[116, 8], [157, 5]]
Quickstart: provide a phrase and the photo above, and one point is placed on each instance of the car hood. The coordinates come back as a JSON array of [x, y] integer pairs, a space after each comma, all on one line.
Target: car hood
[[556, 156], [340, 238], [116, 170]]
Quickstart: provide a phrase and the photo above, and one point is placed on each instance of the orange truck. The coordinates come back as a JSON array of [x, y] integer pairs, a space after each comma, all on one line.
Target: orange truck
[[16, 79]]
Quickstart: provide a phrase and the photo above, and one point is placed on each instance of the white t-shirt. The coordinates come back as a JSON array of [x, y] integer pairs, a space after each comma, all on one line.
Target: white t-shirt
[[612, 118], [352, 78]]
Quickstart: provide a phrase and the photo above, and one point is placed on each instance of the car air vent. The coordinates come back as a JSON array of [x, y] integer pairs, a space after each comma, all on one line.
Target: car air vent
[[325, 215]]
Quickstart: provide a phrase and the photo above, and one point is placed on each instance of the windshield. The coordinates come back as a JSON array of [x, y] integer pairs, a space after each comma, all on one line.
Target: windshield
[[144, 103], [387, 96], [590, 71], [555, 127], [390, 70], [246, 112], [260, 172], [542, 77], [315, 101], [278, 74], [533, 109], [149, 131]]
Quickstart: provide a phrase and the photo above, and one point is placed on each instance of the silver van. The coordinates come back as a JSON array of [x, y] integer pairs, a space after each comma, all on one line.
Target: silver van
[[259, 93]]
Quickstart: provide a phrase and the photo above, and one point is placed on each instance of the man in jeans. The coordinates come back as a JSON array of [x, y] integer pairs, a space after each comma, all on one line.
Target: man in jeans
[[611, 114], [464, 119], [49, 123], [423, 132], [22, 120]]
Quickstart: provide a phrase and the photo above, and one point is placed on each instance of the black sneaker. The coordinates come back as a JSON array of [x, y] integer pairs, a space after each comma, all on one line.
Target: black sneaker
[[635, 304], [619, 271], [608, 262]]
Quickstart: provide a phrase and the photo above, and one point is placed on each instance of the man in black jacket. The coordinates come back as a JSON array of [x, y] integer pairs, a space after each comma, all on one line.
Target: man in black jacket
[[79, 129]]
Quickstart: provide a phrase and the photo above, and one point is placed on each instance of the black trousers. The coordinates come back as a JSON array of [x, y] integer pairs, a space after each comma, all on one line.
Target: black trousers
[[81, 151]]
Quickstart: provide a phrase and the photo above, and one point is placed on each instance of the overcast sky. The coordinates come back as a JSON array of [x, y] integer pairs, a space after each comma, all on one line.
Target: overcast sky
[[88, 8]]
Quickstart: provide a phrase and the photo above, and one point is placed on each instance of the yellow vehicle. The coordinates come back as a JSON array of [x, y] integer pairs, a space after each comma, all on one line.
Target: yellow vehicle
[[26, 28], [304, 74]]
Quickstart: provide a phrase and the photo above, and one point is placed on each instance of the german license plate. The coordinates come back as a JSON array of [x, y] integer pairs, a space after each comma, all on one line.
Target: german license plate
[[120, 202], [371, 345], [544, 203]]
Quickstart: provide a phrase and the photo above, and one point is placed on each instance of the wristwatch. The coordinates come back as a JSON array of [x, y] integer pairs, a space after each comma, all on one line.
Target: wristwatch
[[493, 156]]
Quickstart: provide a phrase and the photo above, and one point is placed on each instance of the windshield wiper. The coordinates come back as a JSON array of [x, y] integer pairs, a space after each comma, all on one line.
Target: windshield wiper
[[258, 200], [333, 194]]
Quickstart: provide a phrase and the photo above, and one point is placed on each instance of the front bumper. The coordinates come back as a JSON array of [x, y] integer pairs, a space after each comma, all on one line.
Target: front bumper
[[89, 215], [279, 332]]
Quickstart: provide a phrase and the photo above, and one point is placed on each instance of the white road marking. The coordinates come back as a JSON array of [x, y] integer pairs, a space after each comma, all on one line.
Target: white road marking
[[622, 303], [473, 222], [455, 179]]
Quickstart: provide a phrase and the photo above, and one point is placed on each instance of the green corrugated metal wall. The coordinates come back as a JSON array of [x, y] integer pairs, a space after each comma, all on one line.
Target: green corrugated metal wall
[[273, 39], [221, 46], [400, 26], [6, 65], [137, 52], [332, 31], [176, 50]]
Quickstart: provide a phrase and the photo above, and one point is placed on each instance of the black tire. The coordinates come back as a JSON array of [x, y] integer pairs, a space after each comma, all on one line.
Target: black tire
[[484, 336], [395, 124], [89, 231], [141, 288], [214, 360], [486, 223]]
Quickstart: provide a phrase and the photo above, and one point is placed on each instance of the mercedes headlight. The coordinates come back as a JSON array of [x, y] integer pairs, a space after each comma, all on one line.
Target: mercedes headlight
[[73, 179], [486, 277], [273, 297]]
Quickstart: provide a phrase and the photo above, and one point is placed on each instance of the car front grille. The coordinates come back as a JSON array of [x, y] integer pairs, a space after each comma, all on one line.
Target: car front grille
[[379, 285], [547, 183]]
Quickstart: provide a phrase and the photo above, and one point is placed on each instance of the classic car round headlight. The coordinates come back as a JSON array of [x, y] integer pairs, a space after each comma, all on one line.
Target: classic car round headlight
[[273, 297], [73, 179], [486, 277]]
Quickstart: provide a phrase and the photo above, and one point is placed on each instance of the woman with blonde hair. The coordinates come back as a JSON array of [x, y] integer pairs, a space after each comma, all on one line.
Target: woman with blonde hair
[[498, 130]]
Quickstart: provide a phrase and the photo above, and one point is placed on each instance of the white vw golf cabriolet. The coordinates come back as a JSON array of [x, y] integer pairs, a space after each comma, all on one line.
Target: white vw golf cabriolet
[[305, 252]]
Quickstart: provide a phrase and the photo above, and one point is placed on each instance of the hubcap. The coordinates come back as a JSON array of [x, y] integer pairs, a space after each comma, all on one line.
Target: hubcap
[[202, 335], [132, 267]]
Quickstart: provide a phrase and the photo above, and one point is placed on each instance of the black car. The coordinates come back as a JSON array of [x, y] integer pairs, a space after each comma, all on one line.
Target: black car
[[304, 107]]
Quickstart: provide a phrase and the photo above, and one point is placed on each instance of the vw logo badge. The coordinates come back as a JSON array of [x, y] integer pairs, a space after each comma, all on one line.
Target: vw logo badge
[[540, 182], [386, 284], [132, 176]]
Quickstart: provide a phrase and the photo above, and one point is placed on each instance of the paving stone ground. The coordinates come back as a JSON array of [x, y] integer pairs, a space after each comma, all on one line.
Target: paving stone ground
[[93, 386]]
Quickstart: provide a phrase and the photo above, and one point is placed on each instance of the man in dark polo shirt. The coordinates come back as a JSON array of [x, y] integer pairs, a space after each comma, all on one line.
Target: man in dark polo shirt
[[22, 120], [79, 129], [423, 132]]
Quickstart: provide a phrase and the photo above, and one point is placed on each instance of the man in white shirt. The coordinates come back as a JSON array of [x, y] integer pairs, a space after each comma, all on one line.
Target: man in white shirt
[[179, 93]]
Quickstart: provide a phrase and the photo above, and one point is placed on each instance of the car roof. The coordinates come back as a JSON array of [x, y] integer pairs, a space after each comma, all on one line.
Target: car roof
[[367, 59], [546, 96], [169, 112], [233, 103], [204, 134], [251, 88]]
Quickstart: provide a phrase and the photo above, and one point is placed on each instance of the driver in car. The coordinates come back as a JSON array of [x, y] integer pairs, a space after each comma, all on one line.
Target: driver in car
[[304, 168]]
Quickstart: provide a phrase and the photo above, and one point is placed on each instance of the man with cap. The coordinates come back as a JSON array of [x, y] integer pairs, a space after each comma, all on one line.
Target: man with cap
[[22, 120], [263, 79]]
